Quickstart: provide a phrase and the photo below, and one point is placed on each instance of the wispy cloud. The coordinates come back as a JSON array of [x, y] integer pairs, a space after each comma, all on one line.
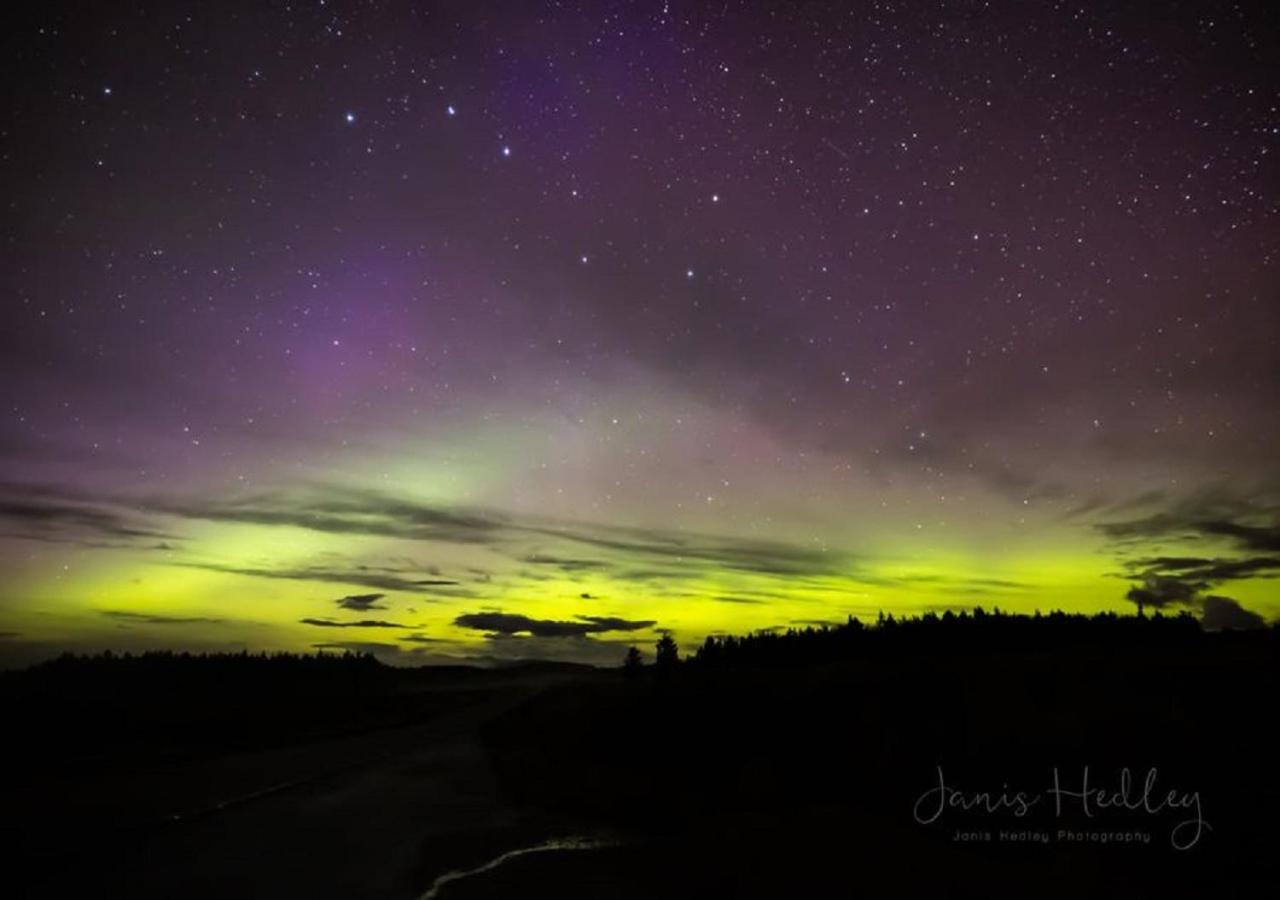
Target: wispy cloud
[[153, 619], [354, 576], [741, 554], [343, 510], [628, 553], [354, 511], [362, 623], [46, 513]]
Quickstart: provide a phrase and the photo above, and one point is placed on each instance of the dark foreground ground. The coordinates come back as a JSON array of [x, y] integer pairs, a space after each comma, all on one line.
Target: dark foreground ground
[[798, 780]]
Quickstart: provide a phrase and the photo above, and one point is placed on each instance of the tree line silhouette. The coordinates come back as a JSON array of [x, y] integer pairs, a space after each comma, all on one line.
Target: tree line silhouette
[[964, 632], [193, 674], [173, 703], [813, 743]]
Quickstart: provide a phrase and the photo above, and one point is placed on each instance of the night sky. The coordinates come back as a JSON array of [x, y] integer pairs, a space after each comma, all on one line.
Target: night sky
[[532, 330]]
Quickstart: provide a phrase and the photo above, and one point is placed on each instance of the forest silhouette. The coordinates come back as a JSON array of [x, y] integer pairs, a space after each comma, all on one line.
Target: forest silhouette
[[777, 763]]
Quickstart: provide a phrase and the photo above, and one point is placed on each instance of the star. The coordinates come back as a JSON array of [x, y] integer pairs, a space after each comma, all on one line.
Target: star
[[350, 117], [450, 110]]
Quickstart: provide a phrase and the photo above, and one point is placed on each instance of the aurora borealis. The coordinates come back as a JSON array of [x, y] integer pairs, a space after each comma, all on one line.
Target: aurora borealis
[[532, 330]]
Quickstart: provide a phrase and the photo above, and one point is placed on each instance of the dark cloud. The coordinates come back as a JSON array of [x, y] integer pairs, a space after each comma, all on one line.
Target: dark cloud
[[343, 510], [1182, 580], [567, 564], [1211, 517], [742, 600], [361, 602], [1260, 538], [1159, 591], [354, 576], [1208, 569], [1223, 613], [1158, 525], [348, 510], [362, 623], [648, 574], [996, 583], [741, 554], [1250, 538], [63, 538], [48, 513], [1252, 523], [513, 623], [612, 623], [1228, 569], [1174, 563], [420, 639], [151, 619], [338, 509], [943, 583]]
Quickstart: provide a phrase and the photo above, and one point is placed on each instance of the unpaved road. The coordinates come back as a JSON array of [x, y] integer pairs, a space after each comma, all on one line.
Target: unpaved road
[[373, 816]]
